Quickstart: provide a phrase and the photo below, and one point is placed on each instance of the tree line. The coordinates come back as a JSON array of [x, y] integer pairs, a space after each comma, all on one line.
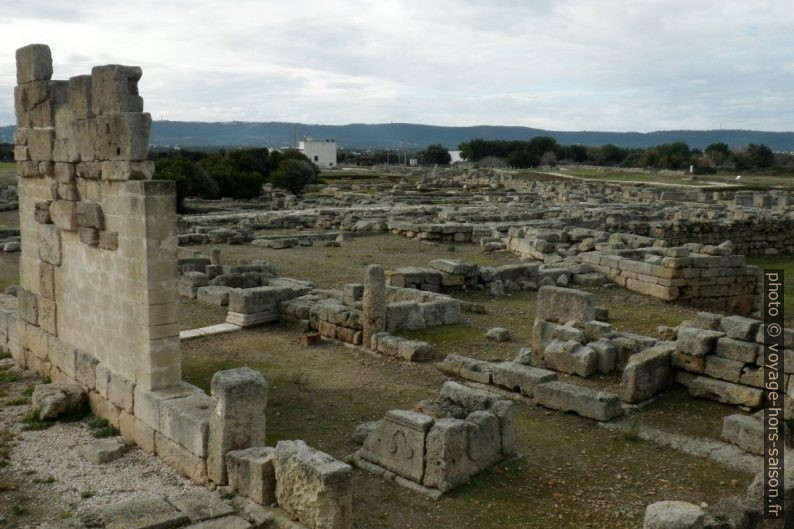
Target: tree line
[[238, 173], [544, 150]]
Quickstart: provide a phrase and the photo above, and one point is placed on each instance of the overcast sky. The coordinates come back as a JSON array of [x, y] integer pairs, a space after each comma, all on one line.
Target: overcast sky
[[555, 64]]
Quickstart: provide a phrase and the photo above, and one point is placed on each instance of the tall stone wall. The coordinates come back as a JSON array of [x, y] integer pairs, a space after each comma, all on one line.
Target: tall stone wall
[[98, 237]]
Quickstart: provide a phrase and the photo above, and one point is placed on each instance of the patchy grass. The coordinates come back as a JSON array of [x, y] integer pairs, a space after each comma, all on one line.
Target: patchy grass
[[616, 174], [194, 314], [21, 401], [102, 429], [32, 422]]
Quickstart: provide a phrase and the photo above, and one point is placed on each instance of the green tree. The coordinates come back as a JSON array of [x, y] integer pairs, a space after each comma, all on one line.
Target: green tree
[[522, 159], [436, 154], [760, 156], [231, 181], [293, 175], [191, 180]]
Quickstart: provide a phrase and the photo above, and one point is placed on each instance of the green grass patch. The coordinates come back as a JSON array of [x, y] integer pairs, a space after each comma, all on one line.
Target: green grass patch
[[31, 422], [48, 479], [103, 429], [21, 401]]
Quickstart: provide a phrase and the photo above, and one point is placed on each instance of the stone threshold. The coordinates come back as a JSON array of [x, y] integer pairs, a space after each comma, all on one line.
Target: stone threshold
[[211, 330]]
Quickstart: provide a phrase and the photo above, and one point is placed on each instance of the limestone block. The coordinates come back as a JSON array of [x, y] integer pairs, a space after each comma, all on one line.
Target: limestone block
[[584, 401], [723, 368], [108, 240], [62, 356], [403, 316], [259, 299], [100, 451], [252, 473], [447, 460], [84, 140], [89, 170], [672, 515], [185, 420], [398, 443], [147, 403], [80, 97], [51, 401], [148, 511], [48, 320], [34, 63], [34, 104], [180, 458], [647, 373], [40, 143], [697, 342], [22, 153], [237, 419], [374, 303], [124, 170], [468, 368], [518, 377], [606, 355], [485, 446], [64, 172], [68, 192], [121, 392], [415, 351], [693, 364], [85, 369], [726, 392], [562, 305], [737, 350], [114, 89], [47, 168], [64, 215], [214, 295], [28, 306], [123, 136], [740, 328], [312, 486], [571, 357], [470, 398], [201, 504], [89, 236]]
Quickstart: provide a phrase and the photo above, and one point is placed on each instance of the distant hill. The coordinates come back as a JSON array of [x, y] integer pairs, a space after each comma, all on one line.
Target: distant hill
[[395, 135]]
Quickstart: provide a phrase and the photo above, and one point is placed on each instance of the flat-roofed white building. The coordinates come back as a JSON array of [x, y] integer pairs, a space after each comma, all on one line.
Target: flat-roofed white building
[[322, 153]]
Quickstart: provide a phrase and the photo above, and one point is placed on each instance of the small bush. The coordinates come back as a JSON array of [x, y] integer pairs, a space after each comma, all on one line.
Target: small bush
[[31, 422]]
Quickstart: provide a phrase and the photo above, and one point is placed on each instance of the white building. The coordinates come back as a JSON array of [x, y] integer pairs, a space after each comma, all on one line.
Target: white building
[[322, 153]]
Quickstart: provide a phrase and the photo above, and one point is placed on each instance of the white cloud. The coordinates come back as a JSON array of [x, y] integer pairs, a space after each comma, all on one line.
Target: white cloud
[[567, 64]]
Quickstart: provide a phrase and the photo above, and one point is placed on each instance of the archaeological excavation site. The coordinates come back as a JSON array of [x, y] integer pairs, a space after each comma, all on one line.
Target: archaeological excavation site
[[393, 347]]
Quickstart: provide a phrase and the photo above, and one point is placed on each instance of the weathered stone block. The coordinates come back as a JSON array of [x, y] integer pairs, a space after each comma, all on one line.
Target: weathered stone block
[[726, 392], [398, 444], [584, 401], [723, 368], [52, 401], [122, 137], [562, 305], [252, 473], [28, 306], [80, 97], [40, 143], [48, 318], [736, 349], [697, 342], [647, 373], [185, 421], [89, 236], [114, 89], [672, 515], [41, 213], [108, 240], [64, 215], [180, 458], [520, 377], [237, 419], [312, 486], [90, 215], [739, 328], [34, 63]]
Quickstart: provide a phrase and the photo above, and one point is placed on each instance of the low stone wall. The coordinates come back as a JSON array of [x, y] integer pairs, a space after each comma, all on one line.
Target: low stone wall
[[721, 358], [433, 232], [705, 277]]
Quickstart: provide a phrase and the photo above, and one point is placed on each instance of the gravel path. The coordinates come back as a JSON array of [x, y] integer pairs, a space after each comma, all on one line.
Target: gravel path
[[49, 469]]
